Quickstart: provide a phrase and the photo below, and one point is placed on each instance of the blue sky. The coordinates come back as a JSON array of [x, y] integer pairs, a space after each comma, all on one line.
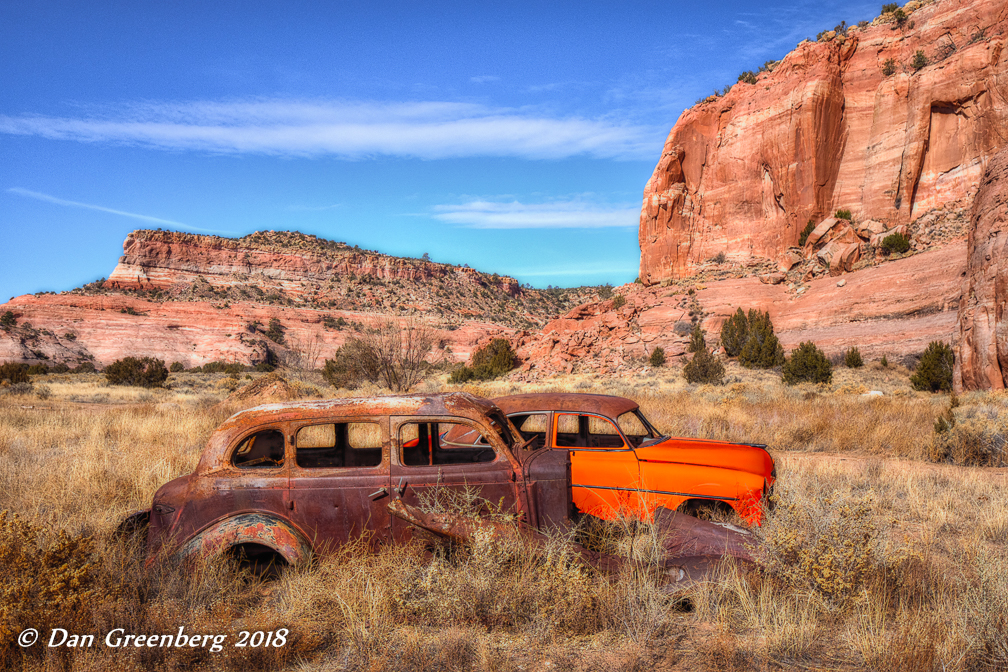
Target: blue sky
[[516, 138]]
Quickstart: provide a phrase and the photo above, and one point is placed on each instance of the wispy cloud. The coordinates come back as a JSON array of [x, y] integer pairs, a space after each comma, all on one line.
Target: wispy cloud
[[354, 130], [18, 191], [484, 79], [554, 215]]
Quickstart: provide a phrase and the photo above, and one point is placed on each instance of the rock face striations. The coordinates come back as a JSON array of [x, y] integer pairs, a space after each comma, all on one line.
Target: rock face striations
[[848, 122], [296, 265], [197, 299], [982, 340]]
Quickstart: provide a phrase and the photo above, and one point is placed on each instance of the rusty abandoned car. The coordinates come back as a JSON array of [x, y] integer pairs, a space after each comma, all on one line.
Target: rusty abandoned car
[[280, 483], [621, 465]]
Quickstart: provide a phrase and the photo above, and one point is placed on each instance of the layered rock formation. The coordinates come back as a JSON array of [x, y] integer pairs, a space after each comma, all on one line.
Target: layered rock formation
[[68, 328], [830, 128], [197, 299], [601, 336], [300, 266], [893, 309], [982, 340]]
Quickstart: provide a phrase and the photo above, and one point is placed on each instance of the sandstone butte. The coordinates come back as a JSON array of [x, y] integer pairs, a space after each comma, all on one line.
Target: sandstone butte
[[196, 299], [829, 127]]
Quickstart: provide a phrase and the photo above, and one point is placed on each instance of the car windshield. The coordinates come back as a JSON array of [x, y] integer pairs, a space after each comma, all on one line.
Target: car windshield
[[636, 427]]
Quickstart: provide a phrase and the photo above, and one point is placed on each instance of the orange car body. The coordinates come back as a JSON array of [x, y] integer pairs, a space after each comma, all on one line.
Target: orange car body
[[621, 465]]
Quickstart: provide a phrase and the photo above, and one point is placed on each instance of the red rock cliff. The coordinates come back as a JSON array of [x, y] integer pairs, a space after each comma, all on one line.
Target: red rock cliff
[[982, 338], [829, 129]]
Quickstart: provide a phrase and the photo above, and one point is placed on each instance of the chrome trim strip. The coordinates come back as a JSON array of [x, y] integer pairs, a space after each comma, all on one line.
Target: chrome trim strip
[[656, 492]]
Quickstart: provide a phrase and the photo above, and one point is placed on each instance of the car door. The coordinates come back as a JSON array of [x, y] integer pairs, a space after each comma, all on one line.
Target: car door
[[339, 481], [436, 458], [605, 474]]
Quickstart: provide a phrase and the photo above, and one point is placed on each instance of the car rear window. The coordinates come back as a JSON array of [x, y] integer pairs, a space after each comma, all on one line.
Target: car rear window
[[263, 449], [339, 444]]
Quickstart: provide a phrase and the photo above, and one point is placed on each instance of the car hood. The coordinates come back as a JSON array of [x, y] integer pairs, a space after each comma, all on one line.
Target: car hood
[[738, 456]]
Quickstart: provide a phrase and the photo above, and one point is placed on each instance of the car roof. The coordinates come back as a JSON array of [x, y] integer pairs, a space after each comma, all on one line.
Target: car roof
[[603, 404], [451, 403], [458, 404]]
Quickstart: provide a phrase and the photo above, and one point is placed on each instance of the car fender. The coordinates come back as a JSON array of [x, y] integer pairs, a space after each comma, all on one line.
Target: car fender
[[250, 528]]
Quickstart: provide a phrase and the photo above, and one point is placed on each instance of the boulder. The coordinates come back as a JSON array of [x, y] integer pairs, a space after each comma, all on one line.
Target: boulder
[[848, 256], [821, 233], [828, 253], [868, 228], [772, 278], [788, 259]]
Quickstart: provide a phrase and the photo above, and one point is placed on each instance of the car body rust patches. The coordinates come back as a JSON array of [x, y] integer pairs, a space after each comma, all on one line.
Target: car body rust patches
[[250, 528]]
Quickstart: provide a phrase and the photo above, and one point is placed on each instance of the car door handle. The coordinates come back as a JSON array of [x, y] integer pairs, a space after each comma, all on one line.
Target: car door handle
[[378, 494]]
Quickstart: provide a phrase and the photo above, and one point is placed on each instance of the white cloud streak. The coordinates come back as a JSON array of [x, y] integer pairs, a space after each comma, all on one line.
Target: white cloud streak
[[18, 191], [554, 215], [352, 130]]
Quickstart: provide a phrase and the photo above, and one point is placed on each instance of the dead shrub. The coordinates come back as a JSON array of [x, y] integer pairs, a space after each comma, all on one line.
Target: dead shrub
[[394, 355], [49, 581], [828, 546], [972, 442], [505, 581]]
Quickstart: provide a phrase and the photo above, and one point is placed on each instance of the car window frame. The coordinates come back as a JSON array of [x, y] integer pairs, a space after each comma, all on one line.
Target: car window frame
[[556, 420], [383, 426], [502, 453], [229, 454]]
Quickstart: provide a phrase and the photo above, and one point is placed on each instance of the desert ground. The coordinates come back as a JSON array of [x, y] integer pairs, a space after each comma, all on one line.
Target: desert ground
[[887, 547]]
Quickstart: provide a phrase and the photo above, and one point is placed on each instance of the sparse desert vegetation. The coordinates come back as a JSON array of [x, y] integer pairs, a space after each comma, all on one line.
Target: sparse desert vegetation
[[875, 556]]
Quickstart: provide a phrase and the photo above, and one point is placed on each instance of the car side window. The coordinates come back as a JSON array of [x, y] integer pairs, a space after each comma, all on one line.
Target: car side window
[[602, 433], [340, 444], [263, 449], [568, 434], [430, 443], [533, 426]]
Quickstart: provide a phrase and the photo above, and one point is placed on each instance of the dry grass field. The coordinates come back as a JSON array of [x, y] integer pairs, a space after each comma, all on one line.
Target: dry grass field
[[886, 549]]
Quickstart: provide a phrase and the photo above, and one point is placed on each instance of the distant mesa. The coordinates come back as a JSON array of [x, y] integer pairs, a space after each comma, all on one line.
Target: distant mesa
[[298, 266], [195, 299]]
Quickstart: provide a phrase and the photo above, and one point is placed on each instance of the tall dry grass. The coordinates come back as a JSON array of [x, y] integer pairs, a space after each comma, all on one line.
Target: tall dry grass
[[874, 558]]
